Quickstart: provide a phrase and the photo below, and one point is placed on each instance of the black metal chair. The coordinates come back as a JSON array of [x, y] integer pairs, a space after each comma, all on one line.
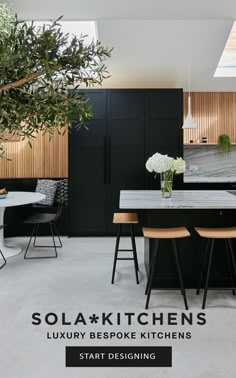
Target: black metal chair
[[4, 260], [39, 218]]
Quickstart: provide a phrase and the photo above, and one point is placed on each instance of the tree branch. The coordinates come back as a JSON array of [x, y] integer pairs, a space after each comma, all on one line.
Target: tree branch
[[23, 81], [26, 79]]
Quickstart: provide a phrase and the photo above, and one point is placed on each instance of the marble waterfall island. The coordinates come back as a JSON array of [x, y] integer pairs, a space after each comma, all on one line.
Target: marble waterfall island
[[205, 208], [181, 199]]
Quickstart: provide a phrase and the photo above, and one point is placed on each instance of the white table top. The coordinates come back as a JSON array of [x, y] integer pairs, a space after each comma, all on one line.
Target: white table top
[[181, 199], [21, 198]]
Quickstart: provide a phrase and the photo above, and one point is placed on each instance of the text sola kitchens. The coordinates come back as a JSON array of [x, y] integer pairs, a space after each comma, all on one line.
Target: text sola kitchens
[[80, 323]]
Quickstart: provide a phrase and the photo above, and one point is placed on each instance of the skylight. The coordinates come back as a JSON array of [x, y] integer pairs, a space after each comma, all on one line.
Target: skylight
[[227, 64], [78, 28]]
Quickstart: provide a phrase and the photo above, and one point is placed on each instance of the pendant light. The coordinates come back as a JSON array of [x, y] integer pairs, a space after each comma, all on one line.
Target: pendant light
[[189, 121]]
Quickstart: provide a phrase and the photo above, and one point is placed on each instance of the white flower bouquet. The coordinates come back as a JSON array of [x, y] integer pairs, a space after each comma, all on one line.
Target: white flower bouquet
[[167, 167]]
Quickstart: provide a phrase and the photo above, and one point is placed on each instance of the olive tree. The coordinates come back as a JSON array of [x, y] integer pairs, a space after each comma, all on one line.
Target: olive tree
[[41, 70]]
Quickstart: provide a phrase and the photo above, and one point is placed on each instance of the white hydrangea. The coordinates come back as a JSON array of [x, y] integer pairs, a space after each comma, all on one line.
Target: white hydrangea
[[159, 163], [178, 166]]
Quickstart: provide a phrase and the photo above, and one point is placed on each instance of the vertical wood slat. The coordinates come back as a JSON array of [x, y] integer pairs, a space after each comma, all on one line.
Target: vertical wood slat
[[45, 159], [214, 114]]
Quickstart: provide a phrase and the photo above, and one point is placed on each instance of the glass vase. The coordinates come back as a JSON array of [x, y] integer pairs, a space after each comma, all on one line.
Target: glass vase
[[166, 184]]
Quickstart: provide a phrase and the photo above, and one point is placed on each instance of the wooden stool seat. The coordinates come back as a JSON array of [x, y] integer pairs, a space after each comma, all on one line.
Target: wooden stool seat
[[217, 233], [125, 218], [211, 234], [166, 233]]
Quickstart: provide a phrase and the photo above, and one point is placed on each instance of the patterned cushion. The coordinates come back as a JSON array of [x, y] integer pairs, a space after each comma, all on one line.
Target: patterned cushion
[[47, 187], [62, 192]]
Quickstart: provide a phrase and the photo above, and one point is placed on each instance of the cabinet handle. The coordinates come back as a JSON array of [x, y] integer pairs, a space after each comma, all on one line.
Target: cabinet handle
[[105, 160], [109, 160]]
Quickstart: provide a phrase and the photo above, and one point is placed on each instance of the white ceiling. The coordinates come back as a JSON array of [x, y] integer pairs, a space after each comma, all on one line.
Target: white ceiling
[[154, 41], [129, 9], [158, 53]]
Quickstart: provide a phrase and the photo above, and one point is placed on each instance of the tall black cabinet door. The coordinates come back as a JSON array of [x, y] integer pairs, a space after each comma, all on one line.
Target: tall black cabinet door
[[163, 131], [87, 171], [126, 144]]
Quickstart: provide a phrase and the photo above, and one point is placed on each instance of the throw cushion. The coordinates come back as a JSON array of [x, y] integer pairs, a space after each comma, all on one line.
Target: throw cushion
[[62, 192], [48, 188]]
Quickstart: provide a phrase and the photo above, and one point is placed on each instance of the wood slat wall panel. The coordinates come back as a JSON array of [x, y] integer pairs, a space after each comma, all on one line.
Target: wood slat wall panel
[[214, 114], [45, 159]]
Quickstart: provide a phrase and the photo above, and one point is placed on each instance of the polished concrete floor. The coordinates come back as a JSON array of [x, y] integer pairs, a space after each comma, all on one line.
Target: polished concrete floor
[[78, 281]]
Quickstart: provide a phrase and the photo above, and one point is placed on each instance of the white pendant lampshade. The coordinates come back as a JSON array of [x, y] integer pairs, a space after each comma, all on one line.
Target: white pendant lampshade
[[189, 121]]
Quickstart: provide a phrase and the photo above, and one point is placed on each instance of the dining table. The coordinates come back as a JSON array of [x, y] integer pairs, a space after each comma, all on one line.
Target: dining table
[[15, 199]]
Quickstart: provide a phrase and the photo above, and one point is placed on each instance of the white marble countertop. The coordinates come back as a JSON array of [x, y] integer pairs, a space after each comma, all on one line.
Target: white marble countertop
[[181, 199], [208, 178]]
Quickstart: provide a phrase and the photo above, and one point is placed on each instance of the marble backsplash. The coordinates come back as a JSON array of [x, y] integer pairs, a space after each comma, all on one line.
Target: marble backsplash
[[205, 163]]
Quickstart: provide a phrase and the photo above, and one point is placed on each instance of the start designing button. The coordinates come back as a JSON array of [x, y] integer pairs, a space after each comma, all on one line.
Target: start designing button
[[118, 356]]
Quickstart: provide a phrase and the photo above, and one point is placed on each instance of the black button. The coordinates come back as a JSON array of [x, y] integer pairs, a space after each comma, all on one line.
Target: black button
[[118, 356]]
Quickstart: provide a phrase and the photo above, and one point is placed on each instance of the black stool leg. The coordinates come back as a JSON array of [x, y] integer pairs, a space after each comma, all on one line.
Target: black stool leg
[[156, 246], [232, 255], [179, 272], [55, 228], [136, 267], [53, 238], [116, 253], [208, 273], [203, 263], [151, 274], [36, 234], [229, 265], [55, 232], [4, 260], [25, 255]]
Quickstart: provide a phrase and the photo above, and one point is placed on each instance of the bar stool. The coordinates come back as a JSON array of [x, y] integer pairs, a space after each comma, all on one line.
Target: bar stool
[[211, 234], [167, 234], [131, 219]]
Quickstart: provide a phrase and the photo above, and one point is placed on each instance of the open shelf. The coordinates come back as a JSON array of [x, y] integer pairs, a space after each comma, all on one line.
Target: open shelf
[[204, 144]]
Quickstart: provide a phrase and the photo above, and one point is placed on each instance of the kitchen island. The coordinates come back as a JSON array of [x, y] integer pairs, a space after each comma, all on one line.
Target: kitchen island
[[190, 209]]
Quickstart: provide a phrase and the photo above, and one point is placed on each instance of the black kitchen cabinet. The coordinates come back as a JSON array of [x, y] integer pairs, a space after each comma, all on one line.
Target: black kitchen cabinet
[[87, 172], [163, 127], [125, 132], [129, 125]]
